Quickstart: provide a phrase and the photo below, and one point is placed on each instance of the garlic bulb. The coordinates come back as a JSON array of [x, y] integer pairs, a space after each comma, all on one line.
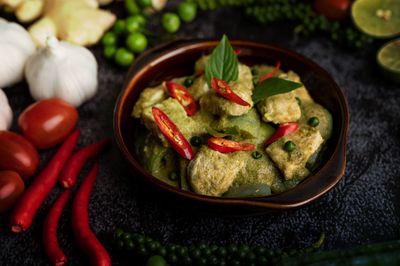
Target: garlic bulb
[[16, 46], [62, 70], [5, 112]]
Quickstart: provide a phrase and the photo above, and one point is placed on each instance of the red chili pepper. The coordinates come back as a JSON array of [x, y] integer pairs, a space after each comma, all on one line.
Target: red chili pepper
[[50, 225], [270, 74], [74, 165], [238, 51], [227, 146], [172, 134], [183, 96], [283, 129], [223, 89], [84, 236], [27, 206]]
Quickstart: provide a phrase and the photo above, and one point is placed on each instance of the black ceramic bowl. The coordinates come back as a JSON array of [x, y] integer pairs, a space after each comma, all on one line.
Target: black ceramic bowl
[[177, 59]]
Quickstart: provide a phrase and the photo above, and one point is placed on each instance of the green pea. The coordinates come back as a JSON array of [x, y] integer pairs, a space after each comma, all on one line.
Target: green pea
[[196, 141], [123, 57], [109, 51], [109, 39], [144, 3], [136, 42], [156, 260], [171, 22], [134, 23], [188, 82], [256, 155], [132, 7], [173, 176], [119, 27], [289, 146], [187, 11], [313, 121]]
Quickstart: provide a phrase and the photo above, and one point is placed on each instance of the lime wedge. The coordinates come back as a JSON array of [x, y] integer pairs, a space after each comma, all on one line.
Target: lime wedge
[[378, 18], [389, 59]]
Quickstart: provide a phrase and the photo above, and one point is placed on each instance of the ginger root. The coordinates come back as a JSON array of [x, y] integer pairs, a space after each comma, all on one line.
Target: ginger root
[[25, 10], [80, 22]]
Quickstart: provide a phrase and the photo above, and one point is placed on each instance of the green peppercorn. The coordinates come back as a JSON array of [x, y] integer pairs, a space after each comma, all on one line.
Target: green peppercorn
[[196, 141], [139, 239], [173, 176], [118, 233], [172, 259], [195, 252], [156, 260], [256, 155], [129, 244], [313, 121], [232, 248], [126, 236], [142, 251], [289, 146], [221, 252], [186, 260], [188, 82], [162, 251]]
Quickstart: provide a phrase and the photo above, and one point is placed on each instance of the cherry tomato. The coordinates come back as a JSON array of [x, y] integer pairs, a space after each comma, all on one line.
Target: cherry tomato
[[17, 154], [333, 9], [48, 122], [11, 188]]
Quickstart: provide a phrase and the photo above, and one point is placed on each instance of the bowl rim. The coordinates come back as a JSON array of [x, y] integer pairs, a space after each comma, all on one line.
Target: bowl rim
[[178, 46]]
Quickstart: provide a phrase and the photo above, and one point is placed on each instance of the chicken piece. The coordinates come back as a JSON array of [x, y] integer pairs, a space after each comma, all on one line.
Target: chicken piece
[[293, 164], [149, 97], [212, 173], [280, 108]]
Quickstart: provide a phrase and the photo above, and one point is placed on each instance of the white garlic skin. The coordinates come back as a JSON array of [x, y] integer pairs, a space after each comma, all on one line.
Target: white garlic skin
[[16, 45], [5, 112], [62, 70]]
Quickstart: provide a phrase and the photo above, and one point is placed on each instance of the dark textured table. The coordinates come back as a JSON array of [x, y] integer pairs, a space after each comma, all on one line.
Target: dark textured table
[[363, 208]]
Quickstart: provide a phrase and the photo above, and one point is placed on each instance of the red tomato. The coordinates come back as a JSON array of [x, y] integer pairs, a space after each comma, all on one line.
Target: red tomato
[[48, 122], [17, 154], [333, 9], [11, 188]]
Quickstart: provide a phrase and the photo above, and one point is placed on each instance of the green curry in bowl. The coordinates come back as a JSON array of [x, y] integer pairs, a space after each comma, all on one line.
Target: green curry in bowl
[[231, 130]]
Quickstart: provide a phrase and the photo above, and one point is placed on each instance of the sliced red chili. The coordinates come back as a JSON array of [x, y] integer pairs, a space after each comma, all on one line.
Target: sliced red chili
[[270, 74], [224, 90], [183, 96], [172, 134], [227, 146], [238, 51], [283, 130]]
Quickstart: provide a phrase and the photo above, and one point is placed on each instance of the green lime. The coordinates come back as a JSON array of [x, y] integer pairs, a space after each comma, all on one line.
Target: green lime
[[119, 27], [389, 59], [134, 23], [171, 22], [123, 57], [136, 42], [187, 11], [109, 51], [378, 18], [109, 39], [132, 7]]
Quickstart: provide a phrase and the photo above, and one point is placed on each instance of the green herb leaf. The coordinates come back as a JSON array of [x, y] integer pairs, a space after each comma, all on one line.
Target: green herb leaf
[[273, 86], [222, 63]]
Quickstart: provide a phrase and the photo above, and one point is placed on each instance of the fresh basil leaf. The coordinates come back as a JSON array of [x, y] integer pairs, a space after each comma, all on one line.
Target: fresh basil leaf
[[222, 63], [273, 86]]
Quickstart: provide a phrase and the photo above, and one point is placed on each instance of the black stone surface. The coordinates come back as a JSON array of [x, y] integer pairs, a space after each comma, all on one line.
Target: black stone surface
[[363, 208]]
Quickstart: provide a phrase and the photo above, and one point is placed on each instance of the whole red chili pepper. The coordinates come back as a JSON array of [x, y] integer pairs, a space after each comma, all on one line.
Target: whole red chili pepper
[[224, 90], [84, 236], [226, 146], [172, 134], [74, 165], [270, 74], [27, 206], [183, 96], [283, 129], [50, 225]]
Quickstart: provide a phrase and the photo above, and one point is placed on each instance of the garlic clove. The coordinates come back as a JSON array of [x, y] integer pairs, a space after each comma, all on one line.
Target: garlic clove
[[5, 112]]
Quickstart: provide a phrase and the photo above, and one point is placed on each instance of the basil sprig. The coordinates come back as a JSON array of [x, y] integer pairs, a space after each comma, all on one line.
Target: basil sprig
[[222, 63], [273, 86]]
